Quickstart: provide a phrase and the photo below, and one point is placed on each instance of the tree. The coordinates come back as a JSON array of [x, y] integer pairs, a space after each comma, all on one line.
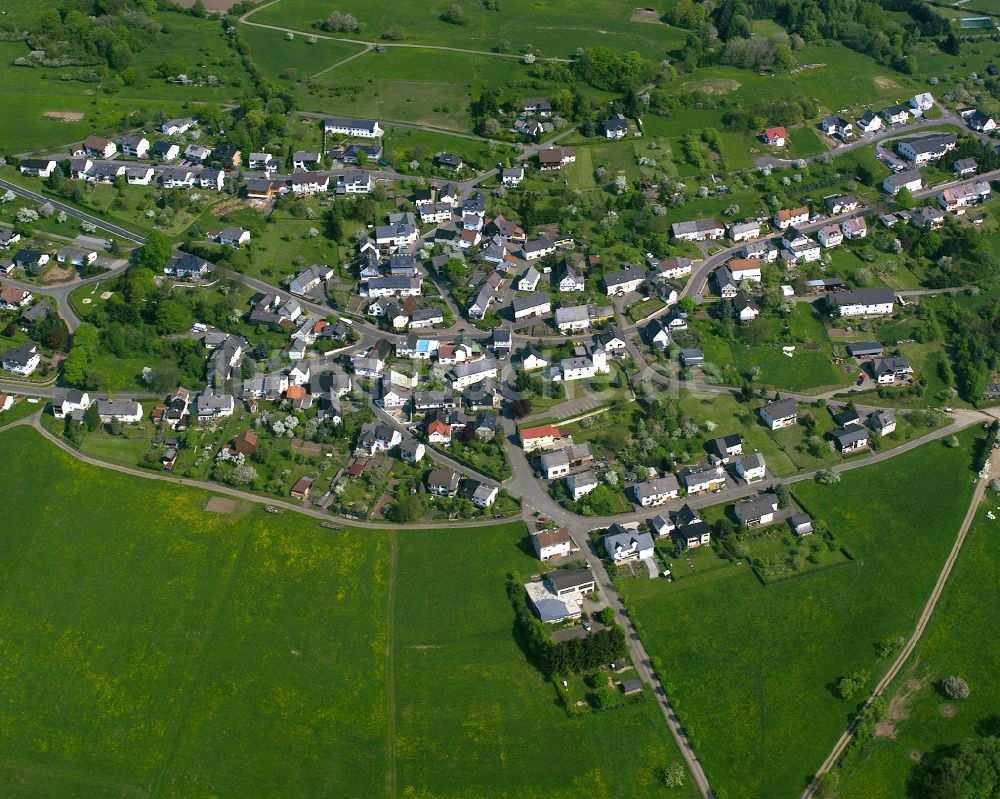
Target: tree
[[407, 507], [153, 255], [781, 492], [827, 477], [848, 686], [455, 15], [602, 699], [955, 688], [91, 417], [606, 616], [904, 199], [969, 771]]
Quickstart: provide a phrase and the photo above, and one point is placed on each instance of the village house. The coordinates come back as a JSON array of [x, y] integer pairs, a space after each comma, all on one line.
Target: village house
[[551, 158], [850, 439], [21, 360], [701, 478], [861, 302], [126, 411], [855, 228], [38, 167], [869, 121], [551, 544], [72, 403], [558, 463], [697, 230], [830, 236], [751, 468], [536, 438], [840, 203], [757, 511], [724, 448], [779, 413], [624, 281], [882, 422], [656, 491], [790, 217], [958, 198], [624, 545], [99, 147], [358, 128], [579, 484], [743, 231], [891, 369], [896, 114], [776, 137], [911, 180]]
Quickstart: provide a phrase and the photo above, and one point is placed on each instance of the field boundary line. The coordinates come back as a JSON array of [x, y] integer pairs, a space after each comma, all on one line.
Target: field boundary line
[[390, 667]]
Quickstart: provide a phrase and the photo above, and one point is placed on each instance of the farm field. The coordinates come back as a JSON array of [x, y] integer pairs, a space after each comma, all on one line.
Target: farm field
[[960, 640], [555, 29], [750, 668], [161, 630]]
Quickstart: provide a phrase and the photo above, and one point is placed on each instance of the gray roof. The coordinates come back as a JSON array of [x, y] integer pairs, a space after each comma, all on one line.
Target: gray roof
[[569, 578], [781, 408], [531, 301], [661, 485], [756, 507], [874, 296]]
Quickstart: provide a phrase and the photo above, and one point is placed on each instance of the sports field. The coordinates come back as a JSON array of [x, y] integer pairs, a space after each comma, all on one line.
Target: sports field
[[751, 668], [156, 648]]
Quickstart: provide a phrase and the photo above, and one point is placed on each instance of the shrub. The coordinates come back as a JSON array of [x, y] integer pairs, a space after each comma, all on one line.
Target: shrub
[[955, 688]]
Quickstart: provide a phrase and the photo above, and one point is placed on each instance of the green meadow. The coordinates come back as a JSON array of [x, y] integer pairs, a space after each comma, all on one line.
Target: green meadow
[[154, 648], [751, 668]]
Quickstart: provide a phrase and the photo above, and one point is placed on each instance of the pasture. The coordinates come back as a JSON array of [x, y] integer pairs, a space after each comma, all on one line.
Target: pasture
[[750, 668], [960, 640], [555, 29], [143, 633]]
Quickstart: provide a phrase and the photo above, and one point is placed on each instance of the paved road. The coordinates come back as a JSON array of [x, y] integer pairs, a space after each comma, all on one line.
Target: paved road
[[216, 488], [925, 616], [71, 211]]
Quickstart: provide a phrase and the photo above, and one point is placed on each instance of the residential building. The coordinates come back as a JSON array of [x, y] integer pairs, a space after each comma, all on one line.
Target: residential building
[[38, 167], [625, 281], [910, 180], [779, 413], [922, 150], [536, 438], [550, 544], [830, 236], [579, 484], [850, 439], [882, 421], [99, 147], [743, 231], [21, 360], [701, 478], [776, 137], [861, 302], [551, 158], [869, 122], [531, 306], [854, 228], [70, 403], [891, 369], [757, 511], [616, 127], [725, 448], [791, 217], [698, 230], [127, 411], [751, 467], [358, 128], [656, 491], [624, 545]]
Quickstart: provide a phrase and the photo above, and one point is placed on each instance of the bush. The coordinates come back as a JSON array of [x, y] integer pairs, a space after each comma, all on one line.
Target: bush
[[955, 688]]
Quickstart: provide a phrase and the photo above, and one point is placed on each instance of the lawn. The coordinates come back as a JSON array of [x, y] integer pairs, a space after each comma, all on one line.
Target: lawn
[[556, 28], [142, 633], [750, 667], [960, 640]]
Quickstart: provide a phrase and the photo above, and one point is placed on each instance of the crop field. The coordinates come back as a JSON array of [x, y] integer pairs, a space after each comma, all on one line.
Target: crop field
[[141, 634], [960, 640], [555, 28], [750, 668]]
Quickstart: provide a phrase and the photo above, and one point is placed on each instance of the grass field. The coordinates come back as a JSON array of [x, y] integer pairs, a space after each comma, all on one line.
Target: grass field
[[556, 28], [294, 60], [750, 668], [431, 87], [142, 633], [960, 640]]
